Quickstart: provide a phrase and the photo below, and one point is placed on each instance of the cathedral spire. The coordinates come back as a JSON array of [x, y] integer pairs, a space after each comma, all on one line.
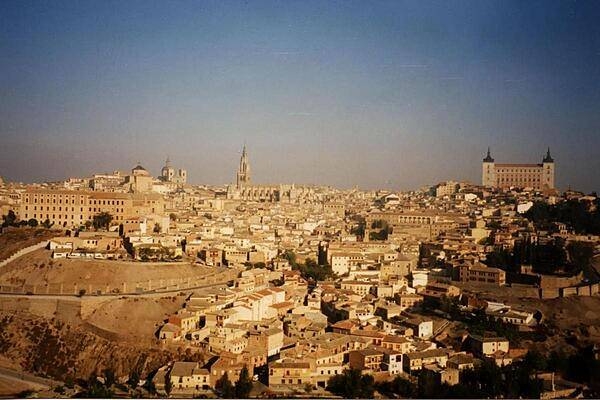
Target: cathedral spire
[[243, 175]]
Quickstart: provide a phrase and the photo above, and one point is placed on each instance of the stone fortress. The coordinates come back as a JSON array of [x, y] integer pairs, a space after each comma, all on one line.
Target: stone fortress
[[536, 176]]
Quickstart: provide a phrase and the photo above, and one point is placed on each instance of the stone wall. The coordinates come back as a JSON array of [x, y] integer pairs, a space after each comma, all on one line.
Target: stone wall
[[581, 290], [557, 282], [66, 310], [140, 287], [24, 251]]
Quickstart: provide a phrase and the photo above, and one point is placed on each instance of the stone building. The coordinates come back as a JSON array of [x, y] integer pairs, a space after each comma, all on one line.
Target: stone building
[[170, 174], [72, 208], [140, 180], [536, 176]]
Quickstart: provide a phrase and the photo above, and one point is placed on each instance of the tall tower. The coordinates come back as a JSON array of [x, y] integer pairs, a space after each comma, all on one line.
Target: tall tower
[[488, 176], [548, 171], [243, 175]]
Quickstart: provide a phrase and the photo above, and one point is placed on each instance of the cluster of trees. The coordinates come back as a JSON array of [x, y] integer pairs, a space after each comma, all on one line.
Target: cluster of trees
[[352, 384], [10, 219], [161, 254], [102, 220], [478, 322], [383, 230], [551, 257], [582, 216], [359, 229], [241, 389], [94, 388], [485, 380], [310, 270], [250, 265], [582, 367]]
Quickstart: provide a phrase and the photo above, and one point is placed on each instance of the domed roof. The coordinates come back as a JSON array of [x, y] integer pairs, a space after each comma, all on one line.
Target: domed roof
[[139, 170]]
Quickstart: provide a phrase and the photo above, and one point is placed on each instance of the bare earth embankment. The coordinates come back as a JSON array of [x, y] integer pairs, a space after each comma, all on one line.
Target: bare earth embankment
[[134, 319], [54, 349], [37, 268], [16, 239], [74, 337]]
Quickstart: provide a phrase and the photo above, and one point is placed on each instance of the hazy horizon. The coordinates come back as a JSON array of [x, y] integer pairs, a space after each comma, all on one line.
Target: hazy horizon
[[385, 94]]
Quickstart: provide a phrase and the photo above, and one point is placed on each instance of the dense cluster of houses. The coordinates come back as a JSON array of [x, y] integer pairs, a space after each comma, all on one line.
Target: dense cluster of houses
[[392, 256]]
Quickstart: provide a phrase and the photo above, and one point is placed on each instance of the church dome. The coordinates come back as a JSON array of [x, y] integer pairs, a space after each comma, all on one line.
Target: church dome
[[139, 170]]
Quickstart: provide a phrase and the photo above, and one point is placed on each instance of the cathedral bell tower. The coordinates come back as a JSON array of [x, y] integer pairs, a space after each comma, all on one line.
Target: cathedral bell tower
[[243, 174]]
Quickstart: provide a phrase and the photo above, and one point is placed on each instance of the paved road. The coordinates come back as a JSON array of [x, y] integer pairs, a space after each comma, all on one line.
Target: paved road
[[35, 381]]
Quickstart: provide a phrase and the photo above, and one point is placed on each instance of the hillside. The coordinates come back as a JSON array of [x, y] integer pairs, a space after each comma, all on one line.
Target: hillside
[[57, 350], [37, 268], [16, 239], [134, 319]]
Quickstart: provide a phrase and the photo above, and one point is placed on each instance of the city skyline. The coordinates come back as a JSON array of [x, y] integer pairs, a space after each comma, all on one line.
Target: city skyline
[[300, 199], [391, 95], [245, 160]]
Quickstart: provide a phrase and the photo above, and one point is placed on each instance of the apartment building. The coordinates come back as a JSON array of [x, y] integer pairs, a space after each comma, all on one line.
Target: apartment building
[[480, 273]]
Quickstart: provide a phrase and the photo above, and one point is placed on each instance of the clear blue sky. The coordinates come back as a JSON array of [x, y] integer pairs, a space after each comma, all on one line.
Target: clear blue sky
[[377, 94]]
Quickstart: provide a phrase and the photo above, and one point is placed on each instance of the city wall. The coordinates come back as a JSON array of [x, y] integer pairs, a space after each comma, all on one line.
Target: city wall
[[140, 287], [558, 282], [67, 310], [592, 289]]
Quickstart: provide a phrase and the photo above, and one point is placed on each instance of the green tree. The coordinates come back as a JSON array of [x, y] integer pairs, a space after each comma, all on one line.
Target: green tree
[[244, 384], [134, 379], [290, 256], [352, 384], [581, 216], [399, 386], [535, 361], [358, 230], [96, 390], [224, 387], [310, 270], [429, 386], [102, 220], [32, 222], [383, 232], [109, 377], [10, 219], [581, 254], [500, 258], [168, 385]]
